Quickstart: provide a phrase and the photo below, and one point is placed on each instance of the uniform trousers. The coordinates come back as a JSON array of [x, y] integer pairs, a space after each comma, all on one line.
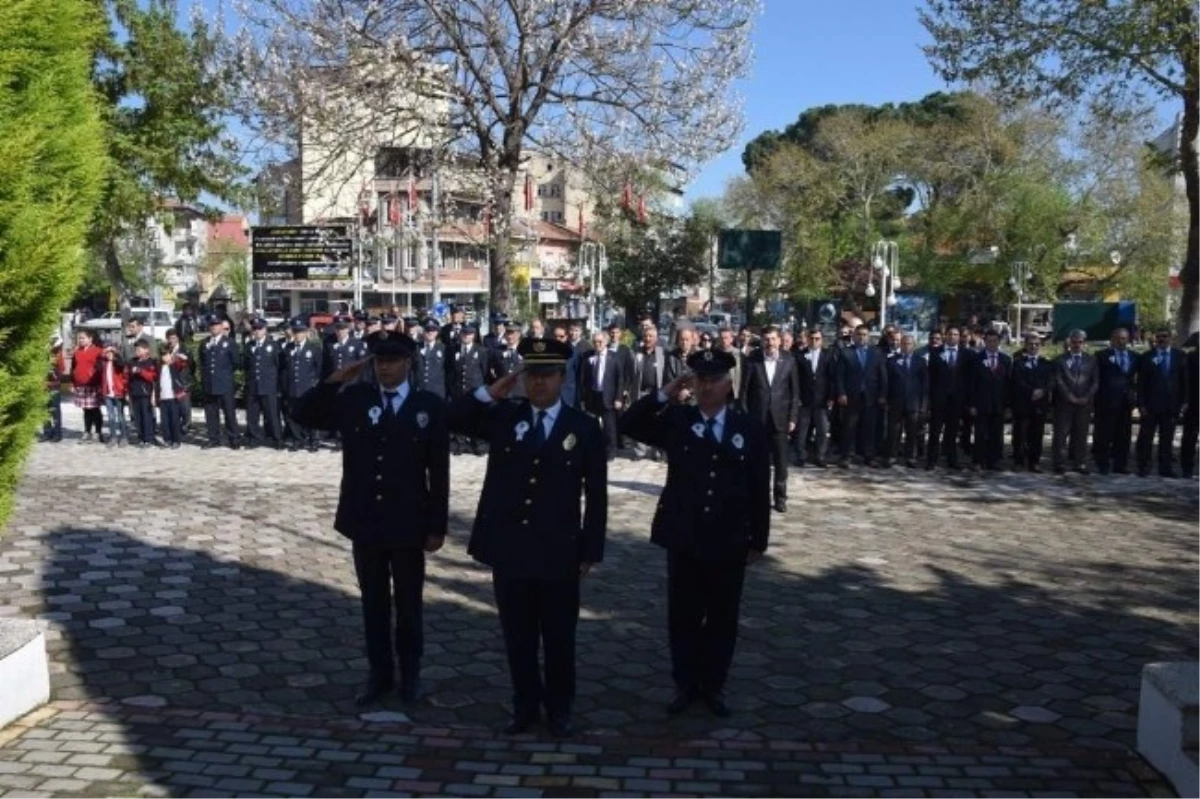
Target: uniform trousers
[[703, 600], [943, 435], [539, 614], [1028, 432], [301, 435], [1070, 422], [1164, 425], [266, 406], [989, 439], [388, 577], [1112, 430], [214, 406]]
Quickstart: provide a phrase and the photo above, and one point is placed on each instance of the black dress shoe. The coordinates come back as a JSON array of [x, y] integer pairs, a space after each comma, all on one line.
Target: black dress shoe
[[291, 447], [373, 692], [683, 697], [521, 723], [209, 445], [559, 726], [781, 505], [821, 465], [716, 703]]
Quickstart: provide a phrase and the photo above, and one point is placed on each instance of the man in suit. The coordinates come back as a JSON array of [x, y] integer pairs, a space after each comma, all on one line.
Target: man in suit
[[468, 371], [394, 503], [686, 342], [540, 525], [817, 369], [988, 386], [1032, 386], [602, 381], [494, 340], [261, 360], [1075, 383], [1116, 396], [862, 395], [451, 333], [771, 394], [431, 362], [1161, 393], [725, 342], [948, 367], [301, 373], [1191, 428], [907, 397], [649, 375], [218, 362], [623, 356], [713, 519]]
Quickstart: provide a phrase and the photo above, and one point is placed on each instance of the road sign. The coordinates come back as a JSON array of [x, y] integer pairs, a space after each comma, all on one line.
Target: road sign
[[441, 309], [749, 249], [301, 252]]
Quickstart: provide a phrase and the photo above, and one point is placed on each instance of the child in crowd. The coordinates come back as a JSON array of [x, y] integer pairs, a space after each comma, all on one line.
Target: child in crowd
[[85, 385], [52, 429], [143, 376], [172, 390], [113, 391]]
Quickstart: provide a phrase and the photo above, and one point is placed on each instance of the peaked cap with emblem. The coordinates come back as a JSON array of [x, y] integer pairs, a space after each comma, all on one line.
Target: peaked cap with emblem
[[544, 354], [711, 362], [390, 344], [298, 323]]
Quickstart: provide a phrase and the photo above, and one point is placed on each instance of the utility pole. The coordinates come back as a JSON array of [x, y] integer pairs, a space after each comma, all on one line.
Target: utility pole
[[435, 257]]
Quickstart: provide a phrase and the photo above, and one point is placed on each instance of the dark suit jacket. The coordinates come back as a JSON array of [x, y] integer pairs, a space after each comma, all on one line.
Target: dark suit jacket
[[907, 388], [1080, 384], [1117, 389], [988, 389], [615, 380], [854, 380], [624, 356], [819, 387], [654, 362], [947, 386], [395, 474], [775, 404], [1158, 392], [530, 523], [716, 503], [1027, 376]]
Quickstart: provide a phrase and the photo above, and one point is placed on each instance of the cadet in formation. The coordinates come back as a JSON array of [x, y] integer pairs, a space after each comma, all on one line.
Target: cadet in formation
[[713, 518], [540, 523], [394, 502]]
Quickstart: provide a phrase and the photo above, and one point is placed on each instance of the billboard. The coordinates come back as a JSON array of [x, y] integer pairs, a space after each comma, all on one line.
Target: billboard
[[301, 252], [749, 249]]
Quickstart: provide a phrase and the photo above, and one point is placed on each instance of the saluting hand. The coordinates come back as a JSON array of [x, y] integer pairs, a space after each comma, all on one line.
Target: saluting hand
[[679, 389], [349, 371], [502, 387]]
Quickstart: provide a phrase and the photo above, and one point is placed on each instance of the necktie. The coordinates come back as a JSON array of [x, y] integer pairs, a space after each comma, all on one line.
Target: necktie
[[953, 355], [389, 404], [1075, 363], [539, 429], [710, 430], [1166, 362], [904, 363], [862, 357]]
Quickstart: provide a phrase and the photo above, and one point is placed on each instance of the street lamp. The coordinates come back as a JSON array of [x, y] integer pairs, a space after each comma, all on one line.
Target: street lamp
[[1017, 280], [885, 259], [593, 260]]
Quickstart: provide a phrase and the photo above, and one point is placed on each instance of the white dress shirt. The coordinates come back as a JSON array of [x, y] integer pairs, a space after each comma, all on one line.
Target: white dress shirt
[[398, 400], [718, 423], [771, 362]]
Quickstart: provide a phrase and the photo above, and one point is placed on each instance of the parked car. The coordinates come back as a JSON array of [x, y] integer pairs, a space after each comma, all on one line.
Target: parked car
[[157, 321], [102, 324]]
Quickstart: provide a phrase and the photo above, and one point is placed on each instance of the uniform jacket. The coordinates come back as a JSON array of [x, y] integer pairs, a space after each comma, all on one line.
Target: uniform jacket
[[301, 368], [262, 365], [339, 354], [451, 337], [817, 386], [430, 368], [395, 489], [1075, 383], [1159, 391], [218, 361], [1117, 388], [777, 401], [1027, 375], [867, 379], [143, 376], [468, 369], [532, 520], [503, 362], [988, 388], [716, 504], [908, 388]]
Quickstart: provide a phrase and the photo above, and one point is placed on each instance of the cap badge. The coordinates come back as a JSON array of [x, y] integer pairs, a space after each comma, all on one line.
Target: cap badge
[[539, 346], [708, 355]]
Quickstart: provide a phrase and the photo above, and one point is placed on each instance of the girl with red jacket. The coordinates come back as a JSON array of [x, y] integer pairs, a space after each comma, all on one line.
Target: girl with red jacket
[[85, 384], [114, 393]]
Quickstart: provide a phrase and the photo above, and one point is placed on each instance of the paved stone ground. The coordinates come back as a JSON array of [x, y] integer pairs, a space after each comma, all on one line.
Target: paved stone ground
[[909, 634]]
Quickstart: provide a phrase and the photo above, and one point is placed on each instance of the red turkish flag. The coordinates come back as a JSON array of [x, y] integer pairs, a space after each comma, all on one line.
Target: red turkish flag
[[412, 194], [393, 209], [528, 193], [642, 208], [626, 195]]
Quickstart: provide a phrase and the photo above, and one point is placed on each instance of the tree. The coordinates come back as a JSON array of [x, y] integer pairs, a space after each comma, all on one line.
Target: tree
[[607, 84], [52, 162], [1077, 49], [165, 106]]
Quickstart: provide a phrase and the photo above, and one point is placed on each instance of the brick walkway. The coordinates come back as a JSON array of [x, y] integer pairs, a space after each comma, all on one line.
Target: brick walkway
[[908, 633]]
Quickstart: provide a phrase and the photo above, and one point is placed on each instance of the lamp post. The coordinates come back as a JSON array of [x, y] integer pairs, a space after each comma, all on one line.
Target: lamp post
[[1017, 280], [593, 260], [885, 259]]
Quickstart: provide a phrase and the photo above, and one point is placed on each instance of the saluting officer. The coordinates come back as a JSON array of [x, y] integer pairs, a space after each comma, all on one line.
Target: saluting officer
[[713, 518], [431, 362], [395, 497], [261, 360], [218, 361], [301, 372], [494, 339], [468, 371], [545, 458]]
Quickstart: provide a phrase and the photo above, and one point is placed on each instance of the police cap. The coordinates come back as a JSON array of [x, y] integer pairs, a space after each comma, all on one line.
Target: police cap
[[390, 344], [387, 319], [470, 327], [431, 324], [544, 355], [511, 327], [213, 319], [360, 316], [297, 324], [258, 323], [711, 363]]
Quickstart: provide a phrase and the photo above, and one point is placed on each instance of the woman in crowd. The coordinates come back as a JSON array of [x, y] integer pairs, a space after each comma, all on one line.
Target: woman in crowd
[[85, 383]]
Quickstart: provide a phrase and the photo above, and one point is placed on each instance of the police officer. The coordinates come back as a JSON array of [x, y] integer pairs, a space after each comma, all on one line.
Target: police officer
[[494, 340], [218, 362], [361, 319], [394, 501], [507, 357], [431, 362], [343, 350], [261, 359], [301, 372], [468, 371], [388, 321], [713, 518], [545, 458]]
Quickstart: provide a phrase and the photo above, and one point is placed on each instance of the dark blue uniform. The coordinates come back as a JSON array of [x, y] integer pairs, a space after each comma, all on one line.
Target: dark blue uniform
[[431, 368], [715, 507], [301, 373], [395, 495], [261, 363], [531, 529], [218, 362], [343, 353]]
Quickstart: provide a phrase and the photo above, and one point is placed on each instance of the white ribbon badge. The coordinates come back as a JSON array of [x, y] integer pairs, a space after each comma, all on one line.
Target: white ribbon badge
[[521, 429], [698, 429], [375, 413]]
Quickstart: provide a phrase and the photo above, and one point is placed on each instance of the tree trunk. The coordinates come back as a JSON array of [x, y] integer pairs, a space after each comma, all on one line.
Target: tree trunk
[[1189, 276], [499, 296]]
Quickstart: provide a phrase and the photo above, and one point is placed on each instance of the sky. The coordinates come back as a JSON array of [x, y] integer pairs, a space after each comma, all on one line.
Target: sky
[[816, 52]]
